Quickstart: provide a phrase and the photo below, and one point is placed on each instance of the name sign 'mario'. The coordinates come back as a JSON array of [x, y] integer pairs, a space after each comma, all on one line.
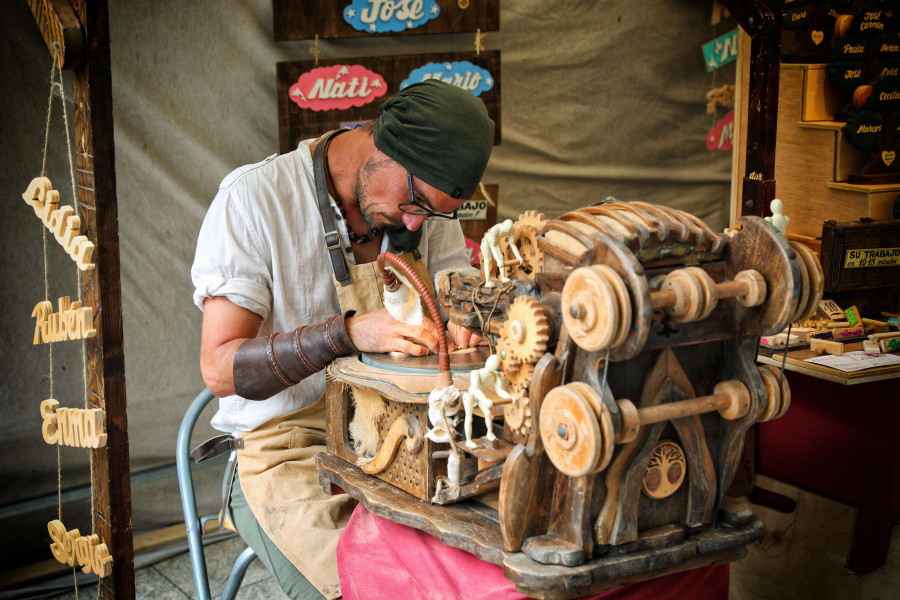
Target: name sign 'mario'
[[462, 74]]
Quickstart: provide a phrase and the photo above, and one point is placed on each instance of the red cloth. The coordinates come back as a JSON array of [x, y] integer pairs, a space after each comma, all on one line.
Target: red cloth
[[379, 559]]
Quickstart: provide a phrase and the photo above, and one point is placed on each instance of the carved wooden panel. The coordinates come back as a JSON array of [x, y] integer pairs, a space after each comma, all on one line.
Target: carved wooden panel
[[302, 20]]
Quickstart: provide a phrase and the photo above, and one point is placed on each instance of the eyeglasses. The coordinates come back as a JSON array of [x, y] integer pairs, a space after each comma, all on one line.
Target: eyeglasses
[[414, 208]]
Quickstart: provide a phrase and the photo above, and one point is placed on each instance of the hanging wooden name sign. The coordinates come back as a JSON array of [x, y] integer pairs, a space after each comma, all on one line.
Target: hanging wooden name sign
[[75, 427], [72, 322], [339, 93], [331, 19], [70, 546], [61, 221]]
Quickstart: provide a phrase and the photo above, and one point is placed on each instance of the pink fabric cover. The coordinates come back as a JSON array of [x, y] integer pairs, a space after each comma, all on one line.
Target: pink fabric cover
[[379, 559]]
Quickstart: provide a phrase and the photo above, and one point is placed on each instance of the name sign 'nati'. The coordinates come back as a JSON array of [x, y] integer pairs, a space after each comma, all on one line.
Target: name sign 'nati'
[[69, 546], [337, 88], [386, 16], [462, 74], [72, 322], [61, 221], [74, 427]]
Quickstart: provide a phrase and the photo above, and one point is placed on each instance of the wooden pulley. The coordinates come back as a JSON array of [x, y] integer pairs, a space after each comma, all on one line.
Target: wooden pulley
[[815, 281], [780, 386], [690, 294], [687, 295], [576, 429], [772, 394], [591, 310]]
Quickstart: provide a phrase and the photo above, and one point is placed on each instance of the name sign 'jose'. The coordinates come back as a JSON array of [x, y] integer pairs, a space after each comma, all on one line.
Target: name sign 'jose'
[[386, 16], [337, 87]]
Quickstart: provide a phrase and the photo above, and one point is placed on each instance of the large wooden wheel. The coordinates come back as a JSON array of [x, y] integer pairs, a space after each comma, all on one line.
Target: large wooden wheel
[[577, 430]]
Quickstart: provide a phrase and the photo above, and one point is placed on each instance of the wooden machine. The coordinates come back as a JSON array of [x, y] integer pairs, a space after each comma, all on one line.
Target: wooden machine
[[624, 338]]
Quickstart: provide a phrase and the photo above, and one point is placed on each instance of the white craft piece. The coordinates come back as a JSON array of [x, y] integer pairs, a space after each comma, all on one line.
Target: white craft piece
[[79, 428], [443, 405], [72, 322], [61, 221], [483, 379], [491, 250], [778, 219], [70, 546], [403, 303]]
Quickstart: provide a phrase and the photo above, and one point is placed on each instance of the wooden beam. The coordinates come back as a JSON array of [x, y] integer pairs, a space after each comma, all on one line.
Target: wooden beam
[[61, 31]]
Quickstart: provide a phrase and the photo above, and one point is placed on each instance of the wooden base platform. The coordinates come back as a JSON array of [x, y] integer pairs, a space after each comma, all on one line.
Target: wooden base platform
[[474, 527]]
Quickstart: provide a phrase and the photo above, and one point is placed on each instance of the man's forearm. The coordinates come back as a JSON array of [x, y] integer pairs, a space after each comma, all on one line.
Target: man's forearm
[[265, 366]]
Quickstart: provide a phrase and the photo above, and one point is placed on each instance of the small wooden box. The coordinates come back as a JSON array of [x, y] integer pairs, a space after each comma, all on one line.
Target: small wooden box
[[860, 255]]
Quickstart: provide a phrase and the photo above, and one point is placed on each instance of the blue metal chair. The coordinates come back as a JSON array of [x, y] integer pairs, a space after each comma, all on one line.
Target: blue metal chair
[[195, 525]]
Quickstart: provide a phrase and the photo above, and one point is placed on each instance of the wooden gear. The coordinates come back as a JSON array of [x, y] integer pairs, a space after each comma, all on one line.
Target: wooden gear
[[628, 348]]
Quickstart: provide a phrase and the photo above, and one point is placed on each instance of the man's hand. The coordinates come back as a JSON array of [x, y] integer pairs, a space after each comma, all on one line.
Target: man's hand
[[378, 331], [462, 337]]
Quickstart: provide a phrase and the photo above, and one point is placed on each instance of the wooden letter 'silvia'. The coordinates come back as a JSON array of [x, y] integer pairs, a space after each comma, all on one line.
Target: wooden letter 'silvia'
[[69, 546], [61, 221]]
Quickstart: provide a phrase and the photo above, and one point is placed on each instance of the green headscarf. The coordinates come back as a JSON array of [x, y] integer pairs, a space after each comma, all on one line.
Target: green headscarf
[[440, 133]]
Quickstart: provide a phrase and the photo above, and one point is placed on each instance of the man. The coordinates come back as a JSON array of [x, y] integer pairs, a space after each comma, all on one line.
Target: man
[[285, 277]]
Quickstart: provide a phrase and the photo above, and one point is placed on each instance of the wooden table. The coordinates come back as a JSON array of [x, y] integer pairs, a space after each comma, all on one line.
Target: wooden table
[[842, 443]]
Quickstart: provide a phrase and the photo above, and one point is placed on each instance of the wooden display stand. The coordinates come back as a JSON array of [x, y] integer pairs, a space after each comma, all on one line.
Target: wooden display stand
[[813, 159], [826, 444], [78, 39]]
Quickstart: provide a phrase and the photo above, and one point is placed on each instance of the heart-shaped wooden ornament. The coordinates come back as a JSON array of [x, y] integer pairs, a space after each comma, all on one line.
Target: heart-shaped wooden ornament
[[817, 36], [888, 157]]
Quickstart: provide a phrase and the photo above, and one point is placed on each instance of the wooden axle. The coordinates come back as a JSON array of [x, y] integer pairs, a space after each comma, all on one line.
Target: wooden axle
[[730, 398], [690, 294], [598, 306], [578, 432]]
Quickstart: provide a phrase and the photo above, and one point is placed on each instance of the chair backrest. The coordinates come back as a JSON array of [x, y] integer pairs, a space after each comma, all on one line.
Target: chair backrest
[[192, 521]]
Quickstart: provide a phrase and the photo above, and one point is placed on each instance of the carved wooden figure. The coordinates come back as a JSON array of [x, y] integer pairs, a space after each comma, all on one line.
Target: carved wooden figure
[[626, 342]]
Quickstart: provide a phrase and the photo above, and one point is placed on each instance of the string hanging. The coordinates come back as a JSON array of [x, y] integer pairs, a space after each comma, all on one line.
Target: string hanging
[[478, 45], [57, 87], [315, 51]]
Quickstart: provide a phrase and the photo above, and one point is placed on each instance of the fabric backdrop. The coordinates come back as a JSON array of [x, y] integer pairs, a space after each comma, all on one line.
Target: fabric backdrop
[[599, 98]]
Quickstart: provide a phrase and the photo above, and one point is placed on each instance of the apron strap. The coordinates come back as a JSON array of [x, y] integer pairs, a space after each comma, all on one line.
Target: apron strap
[[332, 239], [214, 447]]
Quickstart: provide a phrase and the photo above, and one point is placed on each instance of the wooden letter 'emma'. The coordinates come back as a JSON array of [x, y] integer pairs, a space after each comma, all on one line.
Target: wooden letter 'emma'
[[81, 428], [69, 546], [61, 221], [72, 322]]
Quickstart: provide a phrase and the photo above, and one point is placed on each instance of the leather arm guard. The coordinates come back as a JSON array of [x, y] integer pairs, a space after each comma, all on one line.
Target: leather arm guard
[[265, 366]]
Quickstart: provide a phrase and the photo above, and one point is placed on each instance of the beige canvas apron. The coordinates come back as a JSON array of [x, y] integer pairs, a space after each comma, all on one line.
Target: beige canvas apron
[[277, 467]]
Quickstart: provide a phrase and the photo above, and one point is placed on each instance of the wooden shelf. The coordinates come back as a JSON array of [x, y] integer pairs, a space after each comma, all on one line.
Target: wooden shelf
[[863, 189], [813, 159], [829, 125]]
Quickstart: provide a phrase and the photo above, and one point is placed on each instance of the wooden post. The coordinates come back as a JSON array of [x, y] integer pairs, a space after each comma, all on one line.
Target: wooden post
[[101, 286], [761, 19]]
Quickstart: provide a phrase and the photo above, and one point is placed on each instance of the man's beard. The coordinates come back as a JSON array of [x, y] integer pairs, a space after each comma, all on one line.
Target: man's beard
[[361, 189]]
